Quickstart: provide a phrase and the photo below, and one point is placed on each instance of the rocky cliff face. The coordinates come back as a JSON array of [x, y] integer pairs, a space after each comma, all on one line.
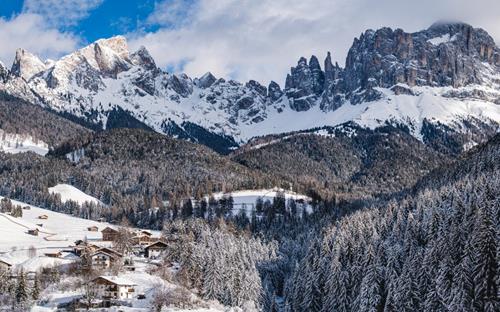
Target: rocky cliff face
[[455, 55], [446, 73]]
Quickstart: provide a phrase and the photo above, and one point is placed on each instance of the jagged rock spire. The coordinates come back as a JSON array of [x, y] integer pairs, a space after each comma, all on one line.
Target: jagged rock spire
[[26, 64], [143, 58], [274, 91], [205, 81]]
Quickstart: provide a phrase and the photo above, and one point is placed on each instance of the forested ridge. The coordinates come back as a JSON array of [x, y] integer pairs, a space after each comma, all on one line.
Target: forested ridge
[[350, 163], [20, 117]]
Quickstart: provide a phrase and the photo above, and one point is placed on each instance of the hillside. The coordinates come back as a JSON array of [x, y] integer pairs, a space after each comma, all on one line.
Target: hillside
[[434, 250], [132, 171], [18, 117], [347, 161]]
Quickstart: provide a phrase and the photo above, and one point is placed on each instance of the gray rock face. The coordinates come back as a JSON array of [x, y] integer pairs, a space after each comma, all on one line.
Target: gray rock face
[[4, 73], [445, 54], [180, 84], [205, 81], [254, 85], [274, 91], [143, 58], [305, 84]]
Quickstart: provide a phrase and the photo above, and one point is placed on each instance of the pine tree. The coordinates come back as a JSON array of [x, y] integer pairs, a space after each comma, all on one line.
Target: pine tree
[[35, 291], [486, 265], [21, 290]]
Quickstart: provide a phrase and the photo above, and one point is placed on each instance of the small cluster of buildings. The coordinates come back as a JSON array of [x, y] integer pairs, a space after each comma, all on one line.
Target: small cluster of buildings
[[100, 255]]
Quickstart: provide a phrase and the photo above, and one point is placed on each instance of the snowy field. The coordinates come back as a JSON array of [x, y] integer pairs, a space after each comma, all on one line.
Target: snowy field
[[246, 199], [16, 143], [69, 192], [55, 234]]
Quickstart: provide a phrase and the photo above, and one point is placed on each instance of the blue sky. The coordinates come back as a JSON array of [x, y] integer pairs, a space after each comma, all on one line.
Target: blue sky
[[106, 18], [240, 39]]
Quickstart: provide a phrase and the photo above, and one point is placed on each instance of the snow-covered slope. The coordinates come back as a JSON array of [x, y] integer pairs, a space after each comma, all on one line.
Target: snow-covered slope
[[57, 232], [69, 192], [107, 85], [17, 143]]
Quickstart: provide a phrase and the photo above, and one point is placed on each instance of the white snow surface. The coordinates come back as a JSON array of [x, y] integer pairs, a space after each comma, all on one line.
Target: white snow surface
[[69, 192], [18, 143], [442, 39]]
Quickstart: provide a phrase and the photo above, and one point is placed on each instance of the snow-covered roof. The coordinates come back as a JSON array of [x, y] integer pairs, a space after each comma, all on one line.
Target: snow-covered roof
[[156, 243], [5, 262], [116, 280]]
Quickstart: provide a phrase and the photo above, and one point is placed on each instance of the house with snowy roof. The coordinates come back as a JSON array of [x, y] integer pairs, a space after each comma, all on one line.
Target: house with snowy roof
[[4, 266], [104, 258], [113, 288], [155, 250]]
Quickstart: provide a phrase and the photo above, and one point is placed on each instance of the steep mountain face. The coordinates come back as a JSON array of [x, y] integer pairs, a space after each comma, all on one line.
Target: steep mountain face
[[445, 75]]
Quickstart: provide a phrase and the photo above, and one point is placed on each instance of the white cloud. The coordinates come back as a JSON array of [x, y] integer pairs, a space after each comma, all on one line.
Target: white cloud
[[171, 13], [30, 32], [248, 39], [61, 13]]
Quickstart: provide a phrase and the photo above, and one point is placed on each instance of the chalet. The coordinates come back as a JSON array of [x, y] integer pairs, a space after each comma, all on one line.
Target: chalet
[[146, 233], [104, 258], [142, 240], [109, 234], [5, 266], [56, 254], [26, 208], [93, 228], [155, 250], [33, 232], [113, 288], [43, 217], [39, 224]]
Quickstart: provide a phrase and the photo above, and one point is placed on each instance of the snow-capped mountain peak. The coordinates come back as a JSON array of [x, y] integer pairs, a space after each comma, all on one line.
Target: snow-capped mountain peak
[[444, 74], [26, 65]]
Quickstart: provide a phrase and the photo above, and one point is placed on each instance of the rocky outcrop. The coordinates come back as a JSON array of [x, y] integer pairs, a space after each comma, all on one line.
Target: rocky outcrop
[[4, 73], [305, 84], [205, 81], [142, 58], [274, 91], [26, 65], [181, 84], [445, 54]]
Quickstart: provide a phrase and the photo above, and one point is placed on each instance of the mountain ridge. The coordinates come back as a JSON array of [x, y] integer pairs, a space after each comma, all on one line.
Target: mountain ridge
[[446, 74]]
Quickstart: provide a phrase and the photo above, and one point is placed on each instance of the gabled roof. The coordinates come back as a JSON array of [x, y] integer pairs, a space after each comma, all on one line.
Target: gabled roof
[[108, 251], [116, 280], [157, 244], [109, 229], [5, 262]]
